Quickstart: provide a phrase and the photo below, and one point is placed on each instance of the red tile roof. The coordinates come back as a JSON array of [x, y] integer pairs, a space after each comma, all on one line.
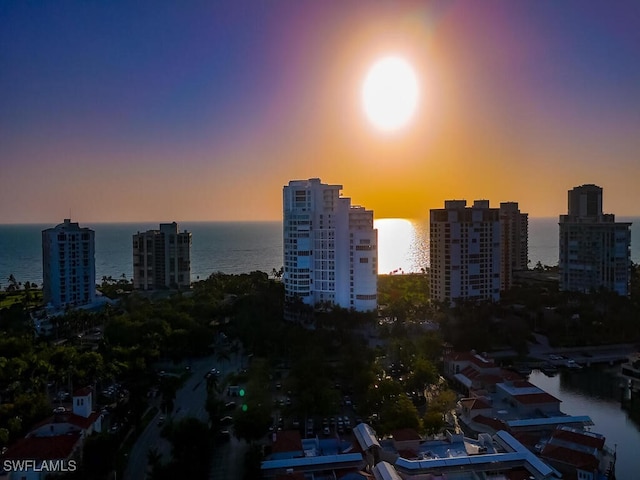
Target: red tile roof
[[82, 422], [58, 447], [581, 460], [470, 372], [529, 440], [579, 438], [471, 357], [287, 441], [509, 375], [474, 403], [408, 454], [405, 435], [71, 418], [493, 423], [489, 379], [83, 392]]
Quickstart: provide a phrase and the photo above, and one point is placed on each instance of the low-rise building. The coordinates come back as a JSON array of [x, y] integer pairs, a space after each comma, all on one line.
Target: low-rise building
[[162, 258], [322, 458], [498, 456], [54, 445], [475, 372], [579, 453]]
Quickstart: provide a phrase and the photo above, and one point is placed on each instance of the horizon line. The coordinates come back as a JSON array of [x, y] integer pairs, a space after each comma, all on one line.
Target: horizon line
[[133, 222]]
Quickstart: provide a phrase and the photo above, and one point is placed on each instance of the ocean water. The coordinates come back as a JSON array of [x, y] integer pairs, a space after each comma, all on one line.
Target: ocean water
[[230, 247], [238, 247]]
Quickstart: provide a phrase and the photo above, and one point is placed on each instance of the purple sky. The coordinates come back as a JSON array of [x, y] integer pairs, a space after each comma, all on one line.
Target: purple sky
[[203, 110]]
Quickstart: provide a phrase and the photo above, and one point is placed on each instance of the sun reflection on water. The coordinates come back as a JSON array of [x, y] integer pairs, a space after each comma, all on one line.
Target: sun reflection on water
[[403, 245]]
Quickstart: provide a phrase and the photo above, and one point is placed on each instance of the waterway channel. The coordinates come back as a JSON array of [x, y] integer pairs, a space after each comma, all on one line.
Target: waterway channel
[[596, 392]]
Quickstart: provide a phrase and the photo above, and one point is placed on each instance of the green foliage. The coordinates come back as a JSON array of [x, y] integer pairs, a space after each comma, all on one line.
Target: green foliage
[[190, 451], [253, 423], [444, 401], [433, 422], [422, 373], [405, 297], [399, 413]]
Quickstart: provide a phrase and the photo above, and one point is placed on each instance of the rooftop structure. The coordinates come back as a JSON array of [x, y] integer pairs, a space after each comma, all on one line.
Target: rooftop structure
[[330, 247], [576, 452], [465, 251], [455, 456], [68, 265], [162, 258], [594, 248], [514, 242], [60, 437], [292, 455]]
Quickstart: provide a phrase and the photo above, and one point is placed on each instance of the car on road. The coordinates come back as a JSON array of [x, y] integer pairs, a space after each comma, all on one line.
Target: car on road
[[226, 420], [161, 420]]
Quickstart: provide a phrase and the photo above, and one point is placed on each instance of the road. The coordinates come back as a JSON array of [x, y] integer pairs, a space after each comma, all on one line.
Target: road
[[586, 355], [228, 460], [190, 401]]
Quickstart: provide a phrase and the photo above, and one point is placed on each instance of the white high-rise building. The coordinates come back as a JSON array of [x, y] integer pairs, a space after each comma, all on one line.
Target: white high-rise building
[[465, 251], [68, 265], [594, 248], [162, 258], [330, 247]]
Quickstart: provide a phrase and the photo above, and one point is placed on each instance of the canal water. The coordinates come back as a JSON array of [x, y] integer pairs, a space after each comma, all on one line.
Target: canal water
[[596, 392]]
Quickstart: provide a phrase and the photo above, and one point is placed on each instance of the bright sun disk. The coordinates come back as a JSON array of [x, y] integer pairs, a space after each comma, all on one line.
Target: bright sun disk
[[390, 93]]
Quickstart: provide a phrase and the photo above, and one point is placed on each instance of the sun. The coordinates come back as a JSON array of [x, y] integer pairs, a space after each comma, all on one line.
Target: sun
[[390, 93]]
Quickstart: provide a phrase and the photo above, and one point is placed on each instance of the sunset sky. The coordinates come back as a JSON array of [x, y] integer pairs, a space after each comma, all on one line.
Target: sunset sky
[[203, 110]]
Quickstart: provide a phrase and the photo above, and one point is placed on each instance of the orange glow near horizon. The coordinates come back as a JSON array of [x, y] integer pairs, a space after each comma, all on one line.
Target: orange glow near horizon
[[497, 119]]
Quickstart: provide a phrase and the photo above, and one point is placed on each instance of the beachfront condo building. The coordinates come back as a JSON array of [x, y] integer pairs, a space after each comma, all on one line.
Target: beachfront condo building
[[68, 265], [594, 248], [465, 251], [514, 243], [162, 258], [330, 247]]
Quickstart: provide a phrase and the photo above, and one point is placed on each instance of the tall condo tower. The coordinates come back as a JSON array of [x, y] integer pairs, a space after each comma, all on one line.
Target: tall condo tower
[[162, 258], [330, 247], [68, 265], [465, 251], [514, 243], [594, 248]]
